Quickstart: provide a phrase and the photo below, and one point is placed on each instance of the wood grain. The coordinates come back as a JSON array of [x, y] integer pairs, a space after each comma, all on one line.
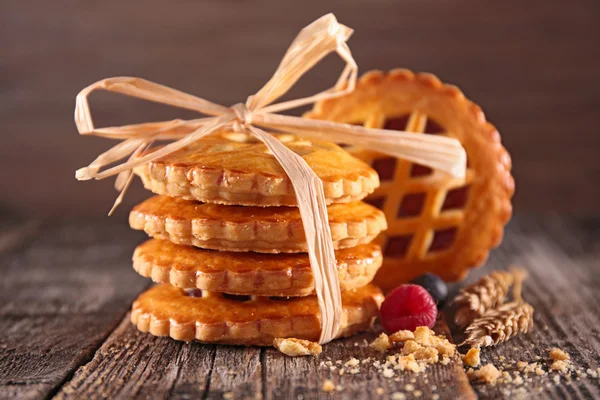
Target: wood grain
[[561, 256], [533, 66], [65, 331], [60, 296], [131, 364]]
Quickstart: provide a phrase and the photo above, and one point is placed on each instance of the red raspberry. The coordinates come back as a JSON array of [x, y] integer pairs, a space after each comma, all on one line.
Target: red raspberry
[[408, 307]]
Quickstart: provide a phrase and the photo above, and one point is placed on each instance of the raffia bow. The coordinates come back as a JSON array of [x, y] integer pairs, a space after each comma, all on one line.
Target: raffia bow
[[313, 43]]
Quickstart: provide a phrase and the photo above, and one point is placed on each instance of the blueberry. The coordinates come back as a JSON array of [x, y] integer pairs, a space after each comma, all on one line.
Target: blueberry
[[435, 286]]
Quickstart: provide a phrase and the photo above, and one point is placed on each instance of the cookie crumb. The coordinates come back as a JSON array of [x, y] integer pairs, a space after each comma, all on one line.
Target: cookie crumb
[[388, 373], [518, 381], [380, 391], [417, 393], [411, 347], [472, 358], [401, 336], [228, 395], [560, 366], [353, 362], [382, 343], [297, 347], [558, 354], [398, 396], [488, 374], [328, 386]]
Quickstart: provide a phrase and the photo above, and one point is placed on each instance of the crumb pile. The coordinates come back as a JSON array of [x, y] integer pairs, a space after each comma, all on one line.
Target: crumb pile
[[416, 351], [514, 375], [419, 349]]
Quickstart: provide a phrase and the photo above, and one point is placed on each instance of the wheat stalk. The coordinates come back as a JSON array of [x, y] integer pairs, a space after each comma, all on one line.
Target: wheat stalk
[[500, 324], [485, 294]]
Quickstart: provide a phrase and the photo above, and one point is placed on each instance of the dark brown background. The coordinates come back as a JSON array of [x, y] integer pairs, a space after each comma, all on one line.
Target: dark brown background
[[533, 66]]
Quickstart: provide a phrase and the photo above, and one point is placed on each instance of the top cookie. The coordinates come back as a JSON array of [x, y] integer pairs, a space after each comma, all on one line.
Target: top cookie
[[236, 169]]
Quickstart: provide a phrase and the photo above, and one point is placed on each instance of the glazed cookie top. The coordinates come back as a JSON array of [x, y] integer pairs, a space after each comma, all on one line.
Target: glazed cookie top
[[234, 168]]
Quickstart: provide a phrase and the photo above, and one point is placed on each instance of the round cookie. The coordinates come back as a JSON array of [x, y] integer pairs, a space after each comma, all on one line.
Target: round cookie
[[249, 273], [236, 169], [165, 310], [259, 229]]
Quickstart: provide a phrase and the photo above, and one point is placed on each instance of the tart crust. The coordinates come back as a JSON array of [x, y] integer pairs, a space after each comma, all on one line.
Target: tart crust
[[478, 224], [259, 229], [232, 168], [165, 310], [249, 273]]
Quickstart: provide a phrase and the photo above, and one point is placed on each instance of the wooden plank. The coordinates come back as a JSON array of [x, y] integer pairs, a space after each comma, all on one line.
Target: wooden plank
[[63, 294], [303, 377], [131, 364], [60, 296], [561, 255]]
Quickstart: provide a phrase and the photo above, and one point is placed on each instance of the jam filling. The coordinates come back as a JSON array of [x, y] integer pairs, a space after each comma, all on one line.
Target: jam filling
[[443, 239], [456, 199], [412, 205], [397, 246], [385, 167]]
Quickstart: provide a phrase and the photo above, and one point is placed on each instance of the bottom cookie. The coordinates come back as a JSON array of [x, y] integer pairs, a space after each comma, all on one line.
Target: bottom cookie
[[165, 310]]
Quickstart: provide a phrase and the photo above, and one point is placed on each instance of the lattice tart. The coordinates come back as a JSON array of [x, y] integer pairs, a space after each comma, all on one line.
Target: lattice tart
[[436, 224]]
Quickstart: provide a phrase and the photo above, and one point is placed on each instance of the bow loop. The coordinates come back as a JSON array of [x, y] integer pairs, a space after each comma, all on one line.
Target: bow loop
[[312, 44]]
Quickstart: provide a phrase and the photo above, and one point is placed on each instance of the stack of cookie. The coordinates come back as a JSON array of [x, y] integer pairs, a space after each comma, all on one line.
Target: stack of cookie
[[228, 245]]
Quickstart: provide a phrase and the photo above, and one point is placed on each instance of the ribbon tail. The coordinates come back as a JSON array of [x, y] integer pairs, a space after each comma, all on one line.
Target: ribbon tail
[[438, 152], [216, 123], [115, 153], [313, 210], [124, 179]]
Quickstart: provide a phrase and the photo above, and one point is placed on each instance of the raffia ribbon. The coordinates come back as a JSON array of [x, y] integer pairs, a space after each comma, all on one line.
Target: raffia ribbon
[[313, 43]]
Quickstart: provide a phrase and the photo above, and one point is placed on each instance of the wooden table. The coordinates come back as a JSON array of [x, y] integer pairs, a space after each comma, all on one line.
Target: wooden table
[[65, 331]]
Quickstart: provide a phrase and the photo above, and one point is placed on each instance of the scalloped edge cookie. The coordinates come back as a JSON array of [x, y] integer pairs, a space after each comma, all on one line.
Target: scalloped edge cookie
[[241, 185], [258, 229], [249, 273], [165, 310]]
